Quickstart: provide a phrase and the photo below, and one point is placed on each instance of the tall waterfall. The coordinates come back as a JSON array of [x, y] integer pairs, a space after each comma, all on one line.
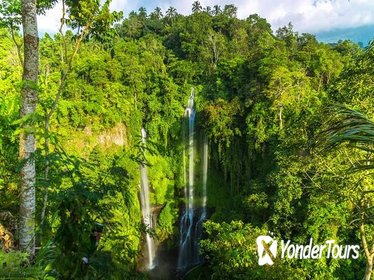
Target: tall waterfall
[[146, 209], [193, 215], [205, 177]]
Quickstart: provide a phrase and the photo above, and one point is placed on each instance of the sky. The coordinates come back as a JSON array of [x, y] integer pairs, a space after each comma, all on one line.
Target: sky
[[312, 16]]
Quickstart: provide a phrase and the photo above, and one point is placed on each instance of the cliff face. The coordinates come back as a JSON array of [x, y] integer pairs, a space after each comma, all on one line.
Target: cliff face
[[83, 141], [116, 135]]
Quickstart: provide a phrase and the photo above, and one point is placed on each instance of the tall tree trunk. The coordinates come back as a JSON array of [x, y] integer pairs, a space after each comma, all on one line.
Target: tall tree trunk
[[369, 269], [369, 252], [27, 138]]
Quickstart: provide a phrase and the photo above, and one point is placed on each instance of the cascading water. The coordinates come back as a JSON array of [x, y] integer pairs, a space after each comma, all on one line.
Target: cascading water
[[205, 178], [192, 218], [146, 209], [204, 182]]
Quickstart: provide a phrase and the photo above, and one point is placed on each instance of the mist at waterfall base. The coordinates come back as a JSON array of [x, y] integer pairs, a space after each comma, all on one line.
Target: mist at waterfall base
[[160, 263]]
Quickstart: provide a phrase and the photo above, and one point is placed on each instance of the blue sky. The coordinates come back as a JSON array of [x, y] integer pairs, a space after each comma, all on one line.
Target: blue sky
[[312, 16]]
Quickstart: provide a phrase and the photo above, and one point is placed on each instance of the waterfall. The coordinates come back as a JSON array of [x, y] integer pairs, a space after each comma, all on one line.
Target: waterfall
[[205, 177], [192, 217], [146, 209]]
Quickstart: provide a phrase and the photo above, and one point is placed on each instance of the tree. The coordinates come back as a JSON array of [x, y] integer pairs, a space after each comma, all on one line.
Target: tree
[[91, 19], [10, 11], [208, 9], [196, 7], [216, 10], [215, 45], [142, 13], [230, 11], [350, 126], [171, 14], [287, 34], [27, 137], [288, 90], [157, 13]]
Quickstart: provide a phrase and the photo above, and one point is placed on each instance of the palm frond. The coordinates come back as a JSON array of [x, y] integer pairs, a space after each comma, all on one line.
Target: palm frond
[[349, 126]]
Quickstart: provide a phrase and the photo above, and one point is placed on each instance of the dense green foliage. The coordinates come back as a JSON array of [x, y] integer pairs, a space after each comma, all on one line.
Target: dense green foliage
[[263, 100]]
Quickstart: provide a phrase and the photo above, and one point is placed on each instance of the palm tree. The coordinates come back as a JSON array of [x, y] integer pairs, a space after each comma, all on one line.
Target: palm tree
[[353, 127], [216, 10], [196, 7], [171, 14], [157, 13], [208, 9], [357, 130], [142, 13]]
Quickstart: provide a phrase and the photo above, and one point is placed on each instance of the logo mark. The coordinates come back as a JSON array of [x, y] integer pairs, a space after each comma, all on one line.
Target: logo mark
[[266, 249]]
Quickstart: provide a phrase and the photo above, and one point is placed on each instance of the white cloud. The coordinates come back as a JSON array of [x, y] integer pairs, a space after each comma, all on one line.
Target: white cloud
[[50, 22], [123, 5], [306, 15]]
